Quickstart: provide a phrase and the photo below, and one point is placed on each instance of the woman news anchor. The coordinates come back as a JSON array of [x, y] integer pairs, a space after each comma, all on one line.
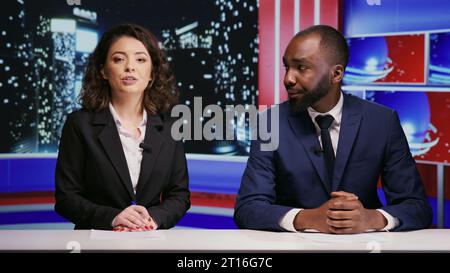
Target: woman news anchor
[[118, 166]]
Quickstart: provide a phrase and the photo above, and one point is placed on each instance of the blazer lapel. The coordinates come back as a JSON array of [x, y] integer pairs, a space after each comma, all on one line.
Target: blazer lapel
[[154, 140], [110, 140], [306, 132], [350, 123]]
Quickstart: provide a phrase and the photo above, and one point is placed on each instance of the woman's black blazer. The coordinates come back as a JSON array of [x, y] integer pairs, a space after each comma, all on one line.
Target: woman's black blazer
[[93, 183]]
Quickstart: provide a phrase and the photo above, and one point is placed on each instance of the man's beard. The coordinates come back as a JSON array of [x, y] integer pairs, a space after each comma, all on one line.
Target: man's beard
[[310, 97]]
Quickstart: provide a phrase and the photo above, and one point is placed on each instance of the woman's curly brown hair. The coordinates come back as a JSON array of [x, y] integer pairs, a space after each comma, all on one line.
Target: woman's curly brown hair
[[161, 93]]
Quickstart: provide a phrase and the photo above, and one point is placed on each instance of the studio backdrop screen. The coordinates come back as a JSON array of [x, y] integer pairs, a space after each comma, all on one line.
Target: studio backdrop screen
[[404, 64], [212, 47]]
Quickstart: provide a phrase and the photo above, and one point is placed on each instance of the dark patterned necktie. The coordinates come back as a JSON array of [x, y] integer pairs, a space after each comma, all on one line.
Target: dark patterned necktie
[[324, 123]]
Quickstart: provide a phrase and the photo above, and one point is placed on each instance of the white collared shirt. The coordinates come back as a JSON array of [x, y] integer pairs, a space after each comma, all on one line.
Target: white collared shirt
[[287, 221], [335, 126], [130, 145]]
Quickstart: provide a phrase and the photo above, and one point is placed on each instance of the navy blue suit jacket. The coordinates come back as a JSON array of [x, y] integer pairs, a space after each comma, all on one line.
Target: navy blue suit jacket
[[371, 145]]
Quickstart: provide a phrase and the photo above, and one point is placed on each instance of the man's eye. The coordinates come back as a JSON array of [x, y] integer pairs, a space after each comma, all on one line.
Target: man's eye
[[301, 67]]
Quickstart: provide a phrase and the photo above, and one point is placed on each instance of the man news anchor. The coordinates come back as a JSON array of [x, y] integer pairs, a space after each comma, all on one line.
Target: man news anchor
[[333, 148]]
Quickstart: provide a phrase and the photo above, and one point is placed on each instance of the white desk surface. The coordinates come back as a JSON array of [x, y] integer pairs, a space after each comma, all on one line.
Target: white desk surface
[[187, 240]]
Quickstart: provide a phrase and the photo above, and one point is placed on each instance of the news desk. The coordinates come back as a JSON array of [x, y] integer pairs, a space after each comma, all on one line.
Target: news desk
[[187, 240]]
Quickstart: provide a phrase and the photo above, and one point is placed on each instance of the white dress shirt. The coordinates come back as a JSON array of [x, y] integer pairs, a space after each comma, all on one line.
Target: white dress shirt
[[287, 221], [130, 145]]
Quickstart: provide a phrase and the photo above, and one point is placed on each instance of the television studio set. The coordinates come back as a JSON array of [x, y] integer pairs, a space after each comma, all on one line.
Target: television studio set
[[67, 186]]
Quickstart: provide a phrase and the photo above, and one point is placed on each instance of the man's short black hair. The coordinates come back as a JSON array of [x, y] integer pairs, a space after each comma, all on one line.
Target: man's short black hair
[[331, 40]]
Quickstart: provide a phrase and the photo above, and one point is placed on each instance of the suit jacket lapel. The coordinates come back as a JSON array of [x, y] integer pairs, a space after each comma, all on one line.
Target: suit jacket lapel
[[110, 140], [154, 140], [306, 132], [351, 119]]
